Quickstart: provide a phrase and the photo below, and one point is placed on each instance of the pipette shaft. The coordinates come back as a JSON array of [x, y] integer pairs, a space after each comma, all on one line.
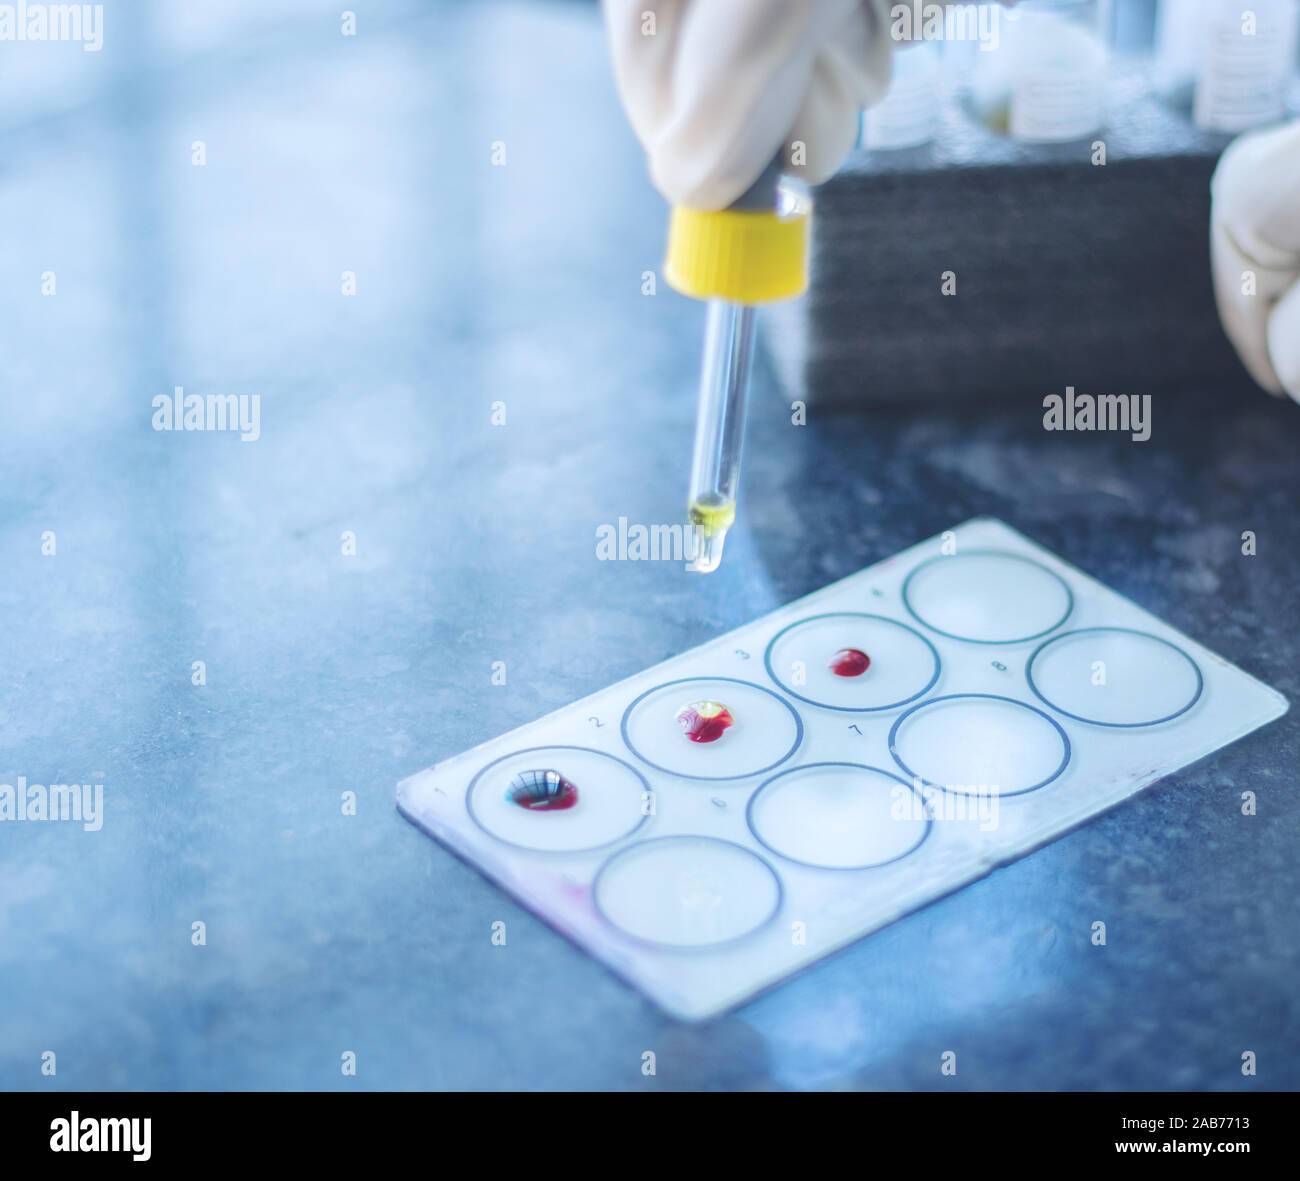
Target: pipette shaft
[[720, 428]]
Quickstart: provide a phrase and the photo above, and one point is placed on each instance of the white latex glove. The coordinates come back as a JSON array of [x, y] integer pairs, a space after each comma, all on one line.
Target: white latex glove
[[1255, 226], [722, 85]]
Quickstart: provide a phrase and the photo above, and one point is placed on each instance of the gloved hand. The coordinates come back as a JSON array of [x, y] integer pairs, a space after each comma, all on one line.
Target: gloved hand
[[1255, 226], [720, 86]]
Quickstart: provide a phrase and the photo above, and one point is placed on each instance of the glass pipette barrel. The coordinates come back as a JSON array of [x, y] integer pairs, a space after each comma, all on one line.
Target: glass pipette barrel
[[719, 428], [753, 252]]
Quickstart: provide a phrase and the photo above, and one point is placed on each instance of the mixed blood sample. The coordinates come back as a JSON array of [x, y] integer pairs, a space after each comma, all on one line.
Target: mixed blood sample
[[542, 791], [849, 662], [704, 721]]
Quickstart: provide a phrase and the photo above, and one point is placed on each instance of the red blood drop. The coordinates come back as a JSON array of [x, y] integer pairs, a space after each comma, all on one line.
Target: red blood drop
[[849, 662], [704, 721]]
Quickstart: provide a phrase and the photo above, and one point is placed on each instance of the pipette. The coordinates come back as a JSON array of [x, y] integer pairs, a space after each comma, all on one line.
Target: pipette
[[751, 253], [720, 428]]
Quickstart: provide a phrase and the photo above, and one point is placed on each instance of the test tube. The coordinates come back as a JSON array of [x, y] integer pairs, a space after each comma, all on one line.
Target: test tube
[[1044, 79], [908, 114], [1246, 63], [719, 428]]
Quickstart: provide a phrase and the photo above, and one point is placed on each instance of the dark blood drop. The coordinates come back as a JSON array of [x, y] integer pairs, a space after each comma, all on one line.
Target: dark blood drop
[[542, 791]]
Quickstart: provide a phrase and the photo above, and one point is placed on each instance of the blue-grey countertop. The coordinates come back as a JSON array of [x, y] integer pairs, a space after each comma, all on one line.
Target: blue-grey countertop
[[520, 284]]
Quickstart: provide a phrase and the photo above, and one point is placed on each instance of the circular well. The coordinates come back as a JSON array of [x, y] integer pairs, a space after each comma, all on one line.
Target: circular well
[[609, 804], [765, 732], [987, 597], [979, 744], [904, 664], [838, 816], [1114, 676], [687, 891]]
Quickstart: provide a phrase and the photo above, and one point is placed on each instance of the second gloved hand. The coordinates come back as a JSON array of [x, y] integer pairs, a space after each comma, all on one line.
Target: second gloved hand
[[1255, 250], [716, 88]]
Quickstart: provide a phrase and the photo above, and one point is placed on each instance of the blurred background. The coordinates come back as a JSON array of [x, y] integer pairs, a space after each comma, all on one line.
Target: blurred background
[[516, 289]]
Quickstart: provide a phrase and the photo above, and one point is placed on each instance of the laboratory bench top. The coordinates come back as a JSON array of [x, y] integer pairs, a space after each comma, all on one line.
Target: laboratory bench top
[[434, 456]]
